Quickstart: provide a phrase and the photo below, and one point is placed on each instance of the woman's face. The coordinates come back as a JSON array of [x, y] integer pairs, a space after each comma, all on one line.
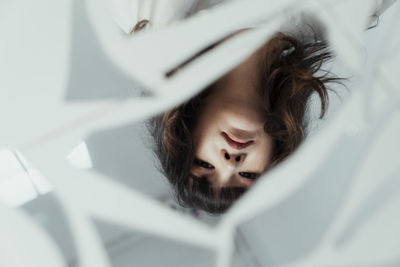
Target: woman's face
[[231, 147]]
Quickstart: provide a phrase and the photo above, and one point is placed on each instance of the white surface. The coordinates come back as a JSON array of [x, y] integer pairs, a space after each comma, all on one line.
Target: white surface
[[35, 119]]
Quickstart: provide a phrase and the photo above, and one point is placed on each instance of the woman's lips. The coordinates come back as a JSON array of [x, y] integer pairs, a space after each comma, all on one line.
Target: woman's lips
[[235, 142]]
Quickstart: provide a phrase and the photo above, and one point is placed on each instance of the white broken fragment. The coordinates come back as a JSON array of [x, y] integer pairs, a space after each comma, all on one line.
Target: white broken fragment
[[24, 243], [80, 157]]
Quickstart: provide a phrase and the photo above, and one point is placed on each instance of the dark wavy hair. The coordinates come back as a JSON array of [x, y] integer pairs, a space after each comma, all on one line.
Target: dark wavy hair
[[291, 72]]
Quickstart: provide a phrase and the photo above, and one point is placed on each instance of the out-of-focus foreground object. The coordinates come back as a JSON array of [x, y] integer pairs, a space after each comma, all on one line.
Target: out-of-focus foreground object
[[77, 183]]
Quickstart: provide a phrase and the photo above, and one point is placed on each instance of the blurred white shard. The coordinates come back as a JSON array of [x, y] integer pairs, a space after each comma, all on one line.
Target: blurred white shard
[[159, 13], [15, 185], [40, 183], [80, 158], [19, 182], [24, 243], [42, 186]]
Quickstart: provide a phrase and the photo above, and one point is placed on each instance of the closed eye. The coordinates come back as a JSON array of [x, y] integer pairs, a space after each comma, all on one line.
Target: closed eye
[[203, 164], [249, 175]]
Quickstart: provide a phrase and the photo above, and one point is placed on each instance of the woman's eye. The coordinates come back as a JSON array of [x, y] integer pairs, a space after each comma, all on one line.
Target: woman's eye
[[203, 164], [249, 175]]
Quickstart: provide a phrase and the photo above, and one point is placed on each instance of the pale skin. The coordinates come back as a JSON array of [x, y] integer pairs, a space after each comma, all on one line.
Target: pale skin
[[231, 147]]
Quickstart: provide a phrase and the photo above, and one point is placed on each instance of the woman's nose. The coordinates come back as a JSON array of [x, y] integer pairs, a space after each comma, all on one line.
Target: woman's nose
[[233, 158]]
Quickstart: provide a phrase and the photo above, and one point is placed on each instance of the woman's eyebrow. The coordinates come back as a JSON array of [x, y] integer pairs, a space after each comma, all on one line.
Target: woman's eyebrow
[[191, 175], [197, 158]]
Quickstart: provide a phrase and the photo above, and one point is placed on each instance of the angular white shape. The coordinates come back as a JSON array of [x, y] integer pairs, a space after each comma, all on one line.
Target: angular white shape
[[80, 157], [15, 186]]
